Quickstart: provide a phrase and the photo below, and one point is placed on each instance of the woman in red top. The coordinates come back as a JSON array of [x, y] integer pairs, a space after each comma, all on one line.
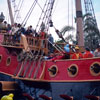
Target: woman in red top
[[88, 54], [77, 54]]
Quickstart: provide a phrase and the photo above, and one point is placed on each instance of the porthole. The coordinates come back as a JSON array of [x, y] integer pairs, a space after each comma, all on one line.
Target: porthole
[[8, 61], [95, 69], [0, 58], [72, 70], [53, 70]]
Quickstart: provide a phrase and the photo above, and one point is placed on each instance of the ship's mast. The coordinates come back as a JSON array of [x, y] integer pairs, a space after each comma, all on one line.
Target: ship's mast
[[80, 35], [10, 12]]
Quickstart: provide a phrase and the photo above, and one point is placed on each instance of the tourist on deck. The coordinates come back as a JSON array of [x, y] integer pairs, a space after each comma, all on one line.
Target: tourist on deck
[[29, 30], [5, 25], [22, 29], [77, 54], [42, 35], [14, 28], [57, 57], [50, 43], [9, 28], [67, 51], [87, 53], [36, 34], [18, 33], [97, 52]]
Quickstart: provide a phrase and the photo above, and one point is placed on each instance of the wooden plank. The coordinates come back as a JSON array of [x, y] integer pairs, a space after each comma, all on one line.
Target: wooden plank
[[8, 85], [11, 46], [28, 96], [45, 97]]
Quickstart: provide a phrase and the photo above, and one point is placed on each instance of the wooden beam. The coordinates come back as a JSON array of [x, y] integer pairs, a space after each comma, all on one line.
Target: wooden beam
[[8, 86]]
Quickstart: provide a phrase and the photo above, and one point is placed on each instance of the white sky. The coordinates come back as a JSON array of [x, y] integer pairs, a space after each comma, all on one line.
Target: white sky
[[59, 16]]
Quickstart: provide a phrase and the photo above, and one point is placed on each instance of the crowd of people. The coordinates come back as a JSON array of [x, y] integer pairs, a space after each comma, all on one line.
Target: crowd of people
[[87, 54], [13, 35], [79, 55], [76, 53], [18, 29]]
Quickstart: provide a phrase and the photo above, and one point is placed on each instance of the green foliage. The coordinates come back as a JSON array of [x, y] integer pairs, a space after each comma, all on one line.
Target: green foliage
[[63, 32], [91, 32], [66, 29]]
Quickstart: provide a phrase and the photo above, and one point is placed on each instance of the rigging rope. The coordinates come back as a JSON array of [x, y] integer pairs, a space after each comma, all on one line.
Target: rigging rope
[[29, 13], [72, 15], [55, 7], [19, 8], [45, 14], [41, 15], [52, 3], [68, 18], [48, 15]]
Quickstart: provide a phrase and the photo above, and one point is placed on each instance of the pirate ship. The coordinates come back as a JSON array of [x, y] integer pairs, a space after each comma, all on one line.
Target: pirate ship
[[23, 63]]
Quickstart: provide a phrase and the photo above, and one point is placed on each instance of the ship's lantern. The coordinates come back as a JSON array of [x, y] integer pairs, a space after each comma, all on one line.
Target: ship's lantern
[[8, 61], [53, 70], [95, 69], [0, 58], [72, 70]]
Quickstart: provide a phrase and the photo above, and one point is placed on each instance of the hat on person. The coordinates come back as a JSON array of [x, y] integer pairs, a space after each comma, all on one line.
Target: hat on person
[[76, 47]]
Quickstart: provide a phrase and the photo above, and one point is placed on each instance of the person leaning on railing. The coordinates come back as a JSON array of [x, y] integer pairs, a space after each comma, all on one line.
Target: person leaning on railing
[[77, 54], [50, 43], [87, 53]]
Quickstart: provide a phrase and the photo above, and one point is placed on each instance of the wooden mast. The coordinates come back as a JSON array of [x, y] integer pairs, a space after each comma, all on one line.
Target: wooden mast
[[10, 12], [80, 35]]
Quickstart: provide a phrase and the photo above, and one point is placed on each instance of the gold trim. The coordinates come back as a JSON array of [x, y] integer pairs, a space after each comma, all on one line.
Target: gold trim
[[77, 59], [69, 73], [92, 72], [8, 61], [67, 81], [0, 58], [43, 71], [50, 73]]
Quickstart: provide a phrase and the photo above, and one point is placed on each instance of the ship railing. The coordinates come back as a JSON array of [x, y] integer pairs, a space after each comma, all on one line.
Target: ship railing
[[35, 43]]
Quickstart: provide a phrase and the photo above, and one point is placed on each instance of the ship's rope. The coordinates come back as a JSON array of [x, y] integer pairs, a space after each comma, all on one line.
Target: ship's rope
[[29, 12], [41, 15], [54, 8], [49, 14], [20, 4], [45, 18], [72, 15], [34, 63], [29, 64], [58, 48], [38, 65], [68, 18], [45, 15], [16, 8]]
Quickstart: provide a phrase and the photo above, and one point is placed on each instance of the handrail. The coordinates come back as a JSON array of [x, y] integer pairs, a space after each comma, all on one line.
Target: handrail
[[35, 43]]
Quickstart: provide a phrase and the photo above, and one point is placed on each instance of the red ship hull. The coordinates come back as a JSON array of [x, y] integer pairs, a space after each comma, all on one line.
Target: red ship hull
[[83, 69]]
